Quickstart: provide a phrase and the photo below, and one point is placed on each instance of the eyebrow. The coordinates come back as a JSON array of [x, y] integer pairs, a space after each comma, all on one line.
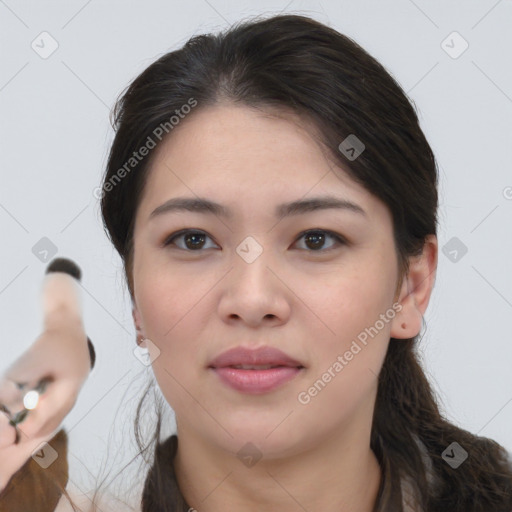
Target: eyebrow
[[205, 206]]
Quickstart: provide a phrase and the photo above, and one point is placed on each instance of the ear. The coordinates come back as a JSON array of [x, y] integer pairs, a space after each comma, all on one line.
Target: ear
[[415, 291], [138, 326]]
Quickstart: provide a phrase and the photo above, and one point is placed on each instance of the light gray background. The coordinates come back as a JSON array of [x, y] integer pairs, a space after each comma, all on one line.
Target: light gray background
[[55, 135]]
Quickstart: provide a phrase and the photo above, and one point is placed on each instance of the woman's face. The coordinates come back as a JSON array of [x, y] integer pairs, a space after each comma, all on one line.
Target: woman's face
[[253, 279]]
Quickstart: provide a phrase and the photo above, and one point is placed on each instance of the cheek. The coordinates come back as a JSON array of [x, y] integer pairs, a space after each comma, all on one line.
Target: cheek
[[165, 298], [173, 316], [346, 364], [357, 307], [355, 299]]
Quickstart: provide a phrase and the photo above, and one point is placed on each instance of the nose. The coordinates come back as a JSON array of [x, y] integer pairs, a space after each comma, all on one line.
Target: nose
[[255, 290]]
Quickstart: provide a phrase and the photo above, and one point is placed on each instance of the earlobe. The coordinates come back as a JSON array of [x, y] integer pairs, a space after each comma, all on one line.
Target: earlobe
[[138, 327], [415, 291]]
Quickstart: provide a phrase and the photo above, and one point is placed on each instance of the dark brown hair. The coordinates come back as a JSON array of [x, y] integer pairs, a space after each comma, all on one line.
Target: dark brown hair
[[297, 64]]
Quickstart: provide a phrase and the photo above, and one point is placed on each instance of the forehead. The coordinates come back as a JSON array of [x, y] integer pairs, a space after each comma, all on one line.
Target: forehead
[[232, 133], [238, 154]]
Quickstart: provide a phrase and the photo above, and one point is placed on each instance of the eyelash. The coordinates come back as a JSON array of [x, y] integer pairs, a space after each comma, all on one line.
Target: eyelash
[[339, 238]]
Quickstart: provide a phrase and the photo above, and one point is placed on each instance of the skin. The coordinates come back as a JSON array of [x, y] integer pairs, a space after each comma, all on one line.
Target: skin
[[308, 299], [61, 352]]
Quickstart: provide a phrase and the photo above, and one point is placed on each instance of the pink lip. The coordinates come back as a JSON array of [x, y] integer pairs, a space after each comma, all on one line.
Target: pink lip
[[259, 356], [255, 381]]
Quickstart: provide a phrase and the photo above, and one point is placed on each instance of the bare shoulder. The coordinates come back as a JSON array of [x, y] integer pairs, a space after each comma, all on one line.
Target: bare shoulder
[[103, 503]]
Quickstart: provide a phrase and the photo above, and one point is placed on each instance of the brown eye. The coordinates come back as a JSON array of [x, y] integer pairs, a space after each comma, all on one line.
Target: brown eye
[[194, 240], [315, 240]]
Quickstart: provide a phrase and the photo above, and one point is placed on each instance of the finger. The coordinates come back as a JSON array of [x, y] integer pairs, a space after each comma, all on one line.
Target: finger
[[24, 409], [51, 409], [16, 396], [29, 368], [9, 405], [16, 455], [9, 392], [57, 406], [7, 432]]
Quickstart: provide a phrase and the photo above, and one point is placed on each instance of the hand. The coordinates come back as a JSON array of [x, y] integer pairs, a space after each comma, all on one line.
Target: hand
[[58, 358]]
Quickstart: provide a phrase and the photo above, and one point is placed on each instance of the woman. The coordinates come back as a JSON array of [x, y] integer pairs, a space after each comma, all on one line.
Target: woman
[[274, 202]]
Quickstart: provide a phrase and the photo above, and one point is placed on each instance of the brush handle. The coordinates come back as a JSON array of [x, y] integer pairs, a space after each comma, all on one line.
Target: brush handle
[[62, 296]]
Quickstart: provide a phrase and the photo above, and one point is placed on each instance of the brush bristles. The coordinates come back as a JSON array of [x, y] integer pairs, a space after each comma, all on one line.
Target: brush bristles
[[65, 265]]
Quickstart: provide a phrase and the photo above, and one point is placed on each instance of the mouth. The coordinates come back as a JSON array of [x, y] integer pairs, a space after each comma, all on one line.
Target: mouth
[[258, 367], [256, 380], [261, 358], [255, 371]]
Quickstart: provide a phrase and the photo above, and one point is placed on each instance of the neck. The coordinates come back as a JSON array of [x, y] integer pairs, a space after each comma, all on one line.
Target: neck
[[341, 473]]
